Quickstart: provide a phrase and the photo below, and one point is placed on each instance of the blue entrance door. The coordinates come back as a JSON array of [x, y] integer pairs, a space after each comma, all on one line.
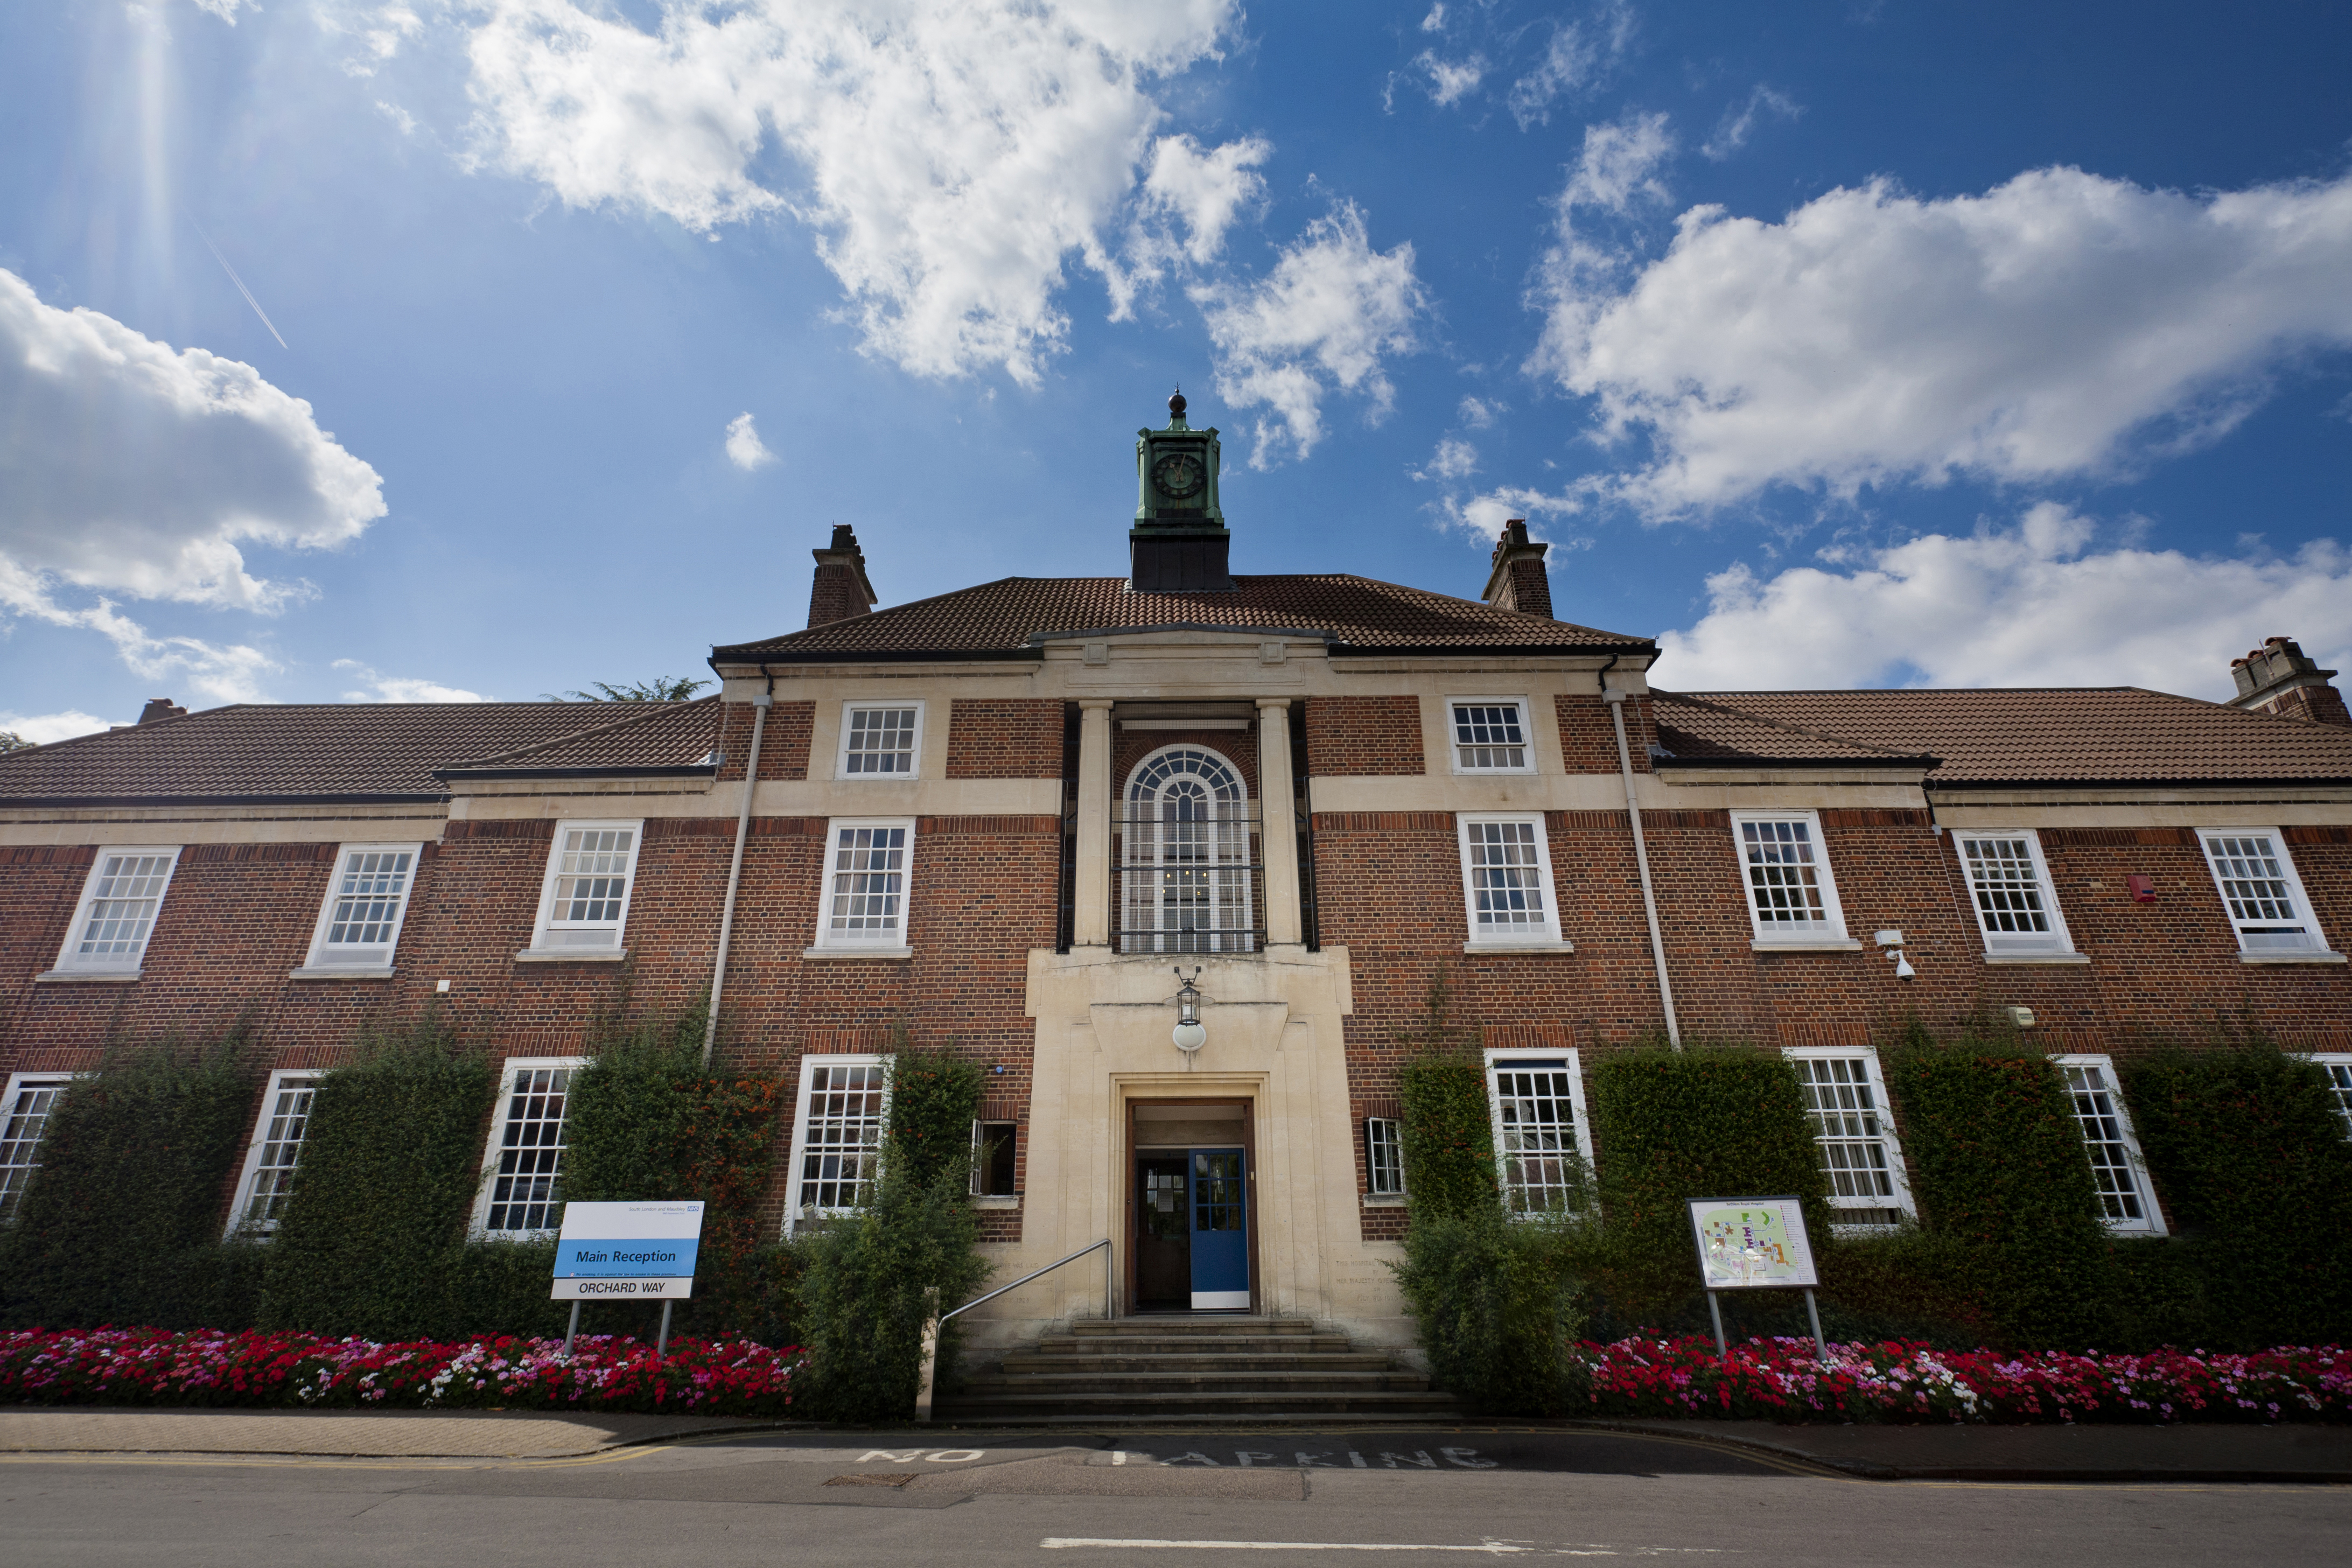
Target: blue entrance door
[[1220, 1231]]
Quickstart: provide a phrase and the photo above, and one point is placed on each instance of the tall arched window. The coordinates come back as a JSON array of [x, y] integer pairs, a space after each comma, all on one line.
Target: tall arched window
[[1185, 855]]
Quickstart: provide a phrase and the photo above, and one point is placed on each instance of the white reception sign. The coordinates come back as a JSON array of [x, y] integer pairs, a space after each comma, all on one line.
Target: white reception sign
[[1752, 1244], [627, 1252]]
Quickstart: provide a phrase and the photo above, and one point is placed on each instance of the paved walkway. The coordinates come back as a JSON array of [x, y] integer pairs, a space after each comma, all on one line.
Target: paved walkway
[[349, 1434]]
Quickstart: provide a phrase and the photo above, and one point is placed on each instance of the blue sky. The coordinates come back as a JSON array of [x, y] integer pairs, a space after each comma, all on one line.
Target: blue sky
[[1834, 344]]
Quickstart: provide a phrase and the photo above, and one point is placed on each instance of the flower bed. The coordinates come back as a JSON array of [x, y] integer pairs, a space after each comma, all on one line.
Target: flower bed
[[604, 1373], [1785, 1380]]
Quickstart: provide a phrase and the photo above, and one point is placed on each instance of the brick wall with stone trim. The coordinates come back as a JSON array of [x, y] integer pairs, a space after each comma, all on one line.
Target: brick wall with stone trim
[[783, 745]]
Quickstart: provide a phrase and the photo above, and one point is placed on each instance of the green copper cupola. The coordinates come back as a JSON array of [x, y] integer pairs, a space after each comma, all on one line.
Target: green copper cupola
[[1178, 542]]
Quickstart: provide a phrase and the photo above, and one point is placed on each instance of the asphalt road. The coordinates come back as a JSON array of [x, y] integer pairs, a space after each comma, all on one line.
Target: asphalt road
[[1256, 1499]]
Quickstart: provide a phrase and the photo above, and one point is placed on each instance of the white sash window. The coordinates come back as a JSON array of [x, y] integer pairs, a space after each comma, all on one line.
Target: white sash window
[[119, 906], [1537, 1105], [276, 1147], [1853, 1136], [23, 1121], [1792, 896], [2009, 884], [592, 869], [523, 1176], [2125, 1201], [837, 1129], [2261, 890], [367, 900]]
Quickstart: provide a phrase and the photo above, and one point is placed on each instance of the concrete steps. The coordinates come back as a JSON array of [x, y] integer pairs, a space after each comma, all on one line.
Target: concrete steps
[[1191, 1370]]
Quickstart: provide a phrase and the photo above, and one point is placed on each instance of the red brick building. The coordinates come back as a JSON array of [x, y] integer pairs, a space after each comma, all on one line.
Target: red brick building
[[1003, 815]]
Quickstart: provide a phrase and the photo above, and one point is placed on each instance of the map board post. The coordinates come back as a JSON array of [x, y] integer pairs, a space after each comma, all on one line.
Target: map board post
[[1754, 1244], [627, 1252]]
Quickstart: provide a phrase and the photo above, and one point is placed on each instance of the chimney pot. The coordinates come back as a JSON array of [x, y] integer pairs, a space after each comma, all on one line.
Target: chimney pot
[[841, 589], [2278, 678], [1518, 580]]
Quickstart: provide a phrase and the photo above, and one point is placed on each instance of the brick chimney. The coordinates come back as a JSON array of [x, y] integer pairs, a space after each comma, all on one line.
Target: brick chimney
[[2277, 678], [159, 709], [841, 589], [1518, 580]]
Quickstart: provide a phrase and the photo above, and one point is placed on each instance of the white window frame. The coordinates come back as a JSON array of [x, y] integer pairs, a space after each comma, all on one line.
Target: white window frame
[[487, 1194], [1828, 931], [841, 742], [2338, 1065], [888, 944], [2151, 1215], [283, 1080], [2315, 947], [18, 1082], [795, 1215], [1548, 935], [1210, 855], [1395, 1140], [1499, 1061], [2005, 944], [320, 959], [546, 929], [70, 961], [1899, 1176], [1453, 743]]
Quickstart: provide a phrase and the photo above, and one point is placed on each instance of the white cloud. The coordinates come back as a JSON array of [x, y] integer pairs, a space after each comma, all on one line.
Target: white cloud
[[1454, 459], [1331, 307], [1450, 82], [1482, 516], [2030, 605], [132, 470], [225, 10], [1205, 190], [1479, 413], [1435, 21], [954, 153], [1618, 165], [44, 729], [1579, 53], [1738, 122], [401, 689], [228, 672], [744, 448], [2049, 327]]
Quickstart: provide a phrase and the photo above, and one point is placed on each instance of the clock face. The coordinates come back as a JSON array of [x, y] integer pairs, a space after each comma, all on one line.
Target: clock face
[[1178, 476]]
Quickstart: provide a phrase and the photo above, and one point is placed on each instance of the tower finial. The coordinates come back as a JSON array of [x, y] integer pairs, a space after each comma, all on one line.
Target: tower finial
[[1176, 404]]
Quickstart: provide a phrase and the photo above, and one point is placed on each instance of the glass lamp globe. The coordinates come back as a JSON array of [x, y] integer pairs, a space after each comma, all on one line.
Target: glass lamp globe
[[1190, 1036]]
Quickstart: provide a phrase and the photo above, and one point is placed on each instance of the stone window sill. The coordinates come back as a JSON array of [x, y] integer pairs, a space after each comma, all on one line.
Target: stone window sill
[[347, 971], [1808, 944], [94, 976], [820, 952], [997, 1201], [1384, 1200], [2308, 956], [571, 955], [1519, 947], [2032, 958]]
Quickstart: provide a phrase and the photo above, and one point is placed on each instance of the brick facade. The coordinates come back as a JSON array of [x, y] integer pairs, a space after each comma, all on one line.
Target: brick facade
[[1005, 737], [1364, 736]]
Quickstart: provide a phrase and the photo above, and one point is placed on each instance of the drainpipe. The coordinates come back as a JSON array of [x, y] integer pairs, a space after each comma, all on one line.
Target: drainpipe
[[1616, 701], [760, 706]]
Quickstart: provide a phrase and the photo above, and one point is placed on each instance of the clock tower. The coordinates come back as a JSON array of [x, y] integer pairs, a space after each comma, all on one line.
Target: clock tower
[[1178, 542]]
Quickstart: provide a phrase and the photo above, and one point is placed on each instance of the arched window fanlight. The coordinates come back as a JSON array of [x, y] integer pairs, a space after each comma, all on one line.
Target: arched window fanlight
[[1185, 855]]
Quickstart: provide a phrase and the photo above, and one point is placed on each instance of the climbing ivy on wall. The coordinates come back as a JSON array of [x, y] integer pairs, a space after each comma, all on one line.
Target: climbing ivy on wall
[[372, 1240], [2250, 1154], [1997, 1165], [121, 1222]]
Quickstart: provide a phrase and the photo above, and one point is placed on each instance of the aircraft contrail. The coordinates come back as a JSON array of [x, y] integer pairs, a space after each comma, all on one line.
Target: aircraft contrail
[[240, 284]]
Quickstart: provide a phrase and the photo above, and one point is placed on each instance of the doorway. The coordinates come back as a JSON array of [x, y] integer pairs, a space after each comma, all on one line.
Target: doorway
[[1192, 1208]]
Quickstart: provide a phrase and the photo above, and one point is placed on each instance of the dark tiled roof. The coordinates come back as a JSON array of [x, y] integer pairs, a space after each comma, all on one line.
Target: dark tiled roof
[[1698, 730], [2111, 734], [650, 735], [1005, 616], [326, 752]]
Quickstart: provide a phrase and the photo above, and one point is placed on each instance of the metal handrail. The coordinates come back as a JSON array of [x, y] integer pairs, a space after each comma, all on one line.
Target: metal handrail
[[931, 1330], [992, 1295]]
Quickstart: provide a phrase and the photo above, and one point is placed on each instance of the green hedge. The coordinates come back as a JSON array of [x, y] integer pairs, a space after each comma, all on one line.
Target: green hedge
[[121, 1222], [647, 1120], [1998, 1162], [1496, 1302], [1447, 1136], [1670, 1126], [2249, 1153], [372, 1240]]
